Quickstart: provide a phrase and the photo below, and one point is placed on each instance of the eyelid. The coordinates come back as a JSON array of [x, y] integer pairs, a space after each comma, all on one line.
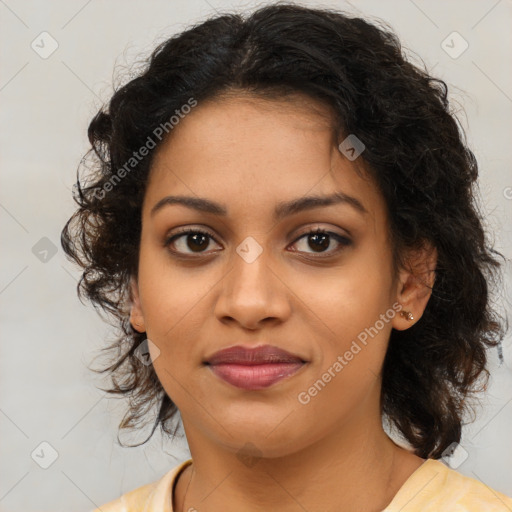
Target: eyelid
[[322, 229], [184, 230]]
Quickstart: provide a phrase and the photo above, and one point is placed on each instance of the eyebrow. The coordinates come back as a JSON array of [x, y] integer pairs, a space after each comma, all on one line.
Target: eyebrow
[[283, 209]]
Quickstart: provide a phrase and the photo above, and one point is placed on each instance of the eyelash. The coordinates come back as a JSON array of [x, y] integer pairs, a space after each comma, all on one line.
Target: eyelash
[[343, 241]]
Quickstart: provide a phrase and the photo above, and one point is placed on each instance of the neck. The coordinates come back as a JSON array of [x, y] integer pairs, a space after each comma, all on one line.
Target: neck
[[357, 468]]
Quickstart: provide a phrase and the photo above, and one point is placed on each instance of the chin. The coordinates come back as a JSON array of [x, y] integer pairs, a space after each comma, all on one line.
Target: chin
[[256, 440]]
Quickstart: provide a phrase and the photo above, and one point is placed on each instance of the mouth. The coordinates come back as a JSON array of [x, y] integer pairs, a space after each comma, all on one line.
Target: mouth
[[254, 368]]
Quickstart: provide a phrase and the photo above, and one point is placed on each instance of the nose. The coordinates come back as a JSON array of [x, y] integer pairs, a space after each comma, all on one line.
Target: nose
[[253, 294]]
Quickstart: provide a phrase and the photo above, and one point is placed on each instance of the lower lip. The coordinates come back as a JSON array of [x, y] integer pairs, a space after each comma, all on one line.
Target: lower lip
[[252, 377]]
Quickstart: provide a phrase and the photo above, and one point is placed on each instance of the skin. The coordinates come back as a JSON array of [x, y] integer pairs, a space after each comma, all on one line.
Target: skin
[[332, 453]]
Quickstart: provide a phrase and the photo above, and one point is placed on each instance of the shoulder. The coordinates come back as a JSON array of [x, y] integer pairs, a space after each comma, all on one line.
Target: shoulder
[[434, 487], [153, 497]]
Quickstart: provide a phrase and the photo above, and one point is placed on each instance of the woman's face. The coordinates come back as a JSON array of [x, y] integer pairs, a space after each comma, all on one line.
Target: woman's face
[[257, 278]]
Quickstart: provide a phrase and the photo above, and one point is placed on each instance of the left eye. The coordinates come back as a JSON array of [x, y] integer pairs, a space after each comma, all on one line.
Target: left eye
[[197, 241], [322, 240]]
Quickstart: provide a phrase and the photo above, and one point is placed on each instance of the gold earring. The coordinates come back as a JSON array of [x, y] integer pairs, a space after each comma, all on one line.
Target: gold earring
[[407, 315]]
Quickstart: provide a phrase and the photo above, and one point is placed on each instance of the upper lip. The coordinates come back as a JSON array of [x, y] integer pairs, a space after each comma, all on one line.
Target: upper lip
[[263, 354]]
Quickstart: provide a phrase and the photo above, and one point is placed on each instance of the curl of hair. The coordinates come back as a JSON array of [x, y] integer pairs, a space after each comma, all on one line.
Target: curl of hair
[[416, 154]]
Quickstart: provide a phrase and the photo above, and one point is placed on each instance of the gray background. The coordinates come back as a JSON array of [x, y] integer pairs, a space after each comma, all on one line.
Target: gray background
[[49, 337]]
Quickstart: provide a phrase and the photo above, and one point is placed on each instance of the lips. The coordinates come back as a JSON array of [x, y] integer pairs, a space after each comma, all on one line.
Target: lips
[[254, 368], [252, 356]]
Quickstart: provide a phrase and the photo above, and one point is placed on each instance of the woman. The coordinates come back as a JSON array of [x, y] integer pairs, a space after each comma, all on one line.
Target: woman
[[281, 219]]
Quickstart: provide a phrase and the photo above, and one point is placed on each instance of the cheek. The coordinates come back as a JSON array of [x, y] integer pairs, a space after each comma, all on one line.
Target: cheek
[[170, 293], [172, 320], [353, 315], [347, 300]]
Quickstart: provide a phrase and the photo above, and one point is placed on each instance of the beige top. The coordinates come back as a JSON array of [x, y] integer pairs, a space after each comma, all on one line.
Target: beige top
[[433, 487]]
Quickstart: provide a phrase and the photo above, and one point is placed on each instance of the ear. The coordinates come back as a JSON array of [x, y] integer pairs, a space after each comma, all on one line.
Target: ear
[[414, 284], [136, 315]]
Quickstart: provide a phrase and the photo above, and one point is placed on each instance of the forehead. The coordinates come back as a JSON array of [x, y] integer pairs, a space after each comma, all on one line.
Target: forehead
[[252, 153]]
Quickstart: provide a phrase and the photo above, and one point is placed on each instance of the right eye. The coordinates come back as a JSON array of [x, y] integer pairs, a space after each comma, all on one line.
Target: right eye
[[195, 240]]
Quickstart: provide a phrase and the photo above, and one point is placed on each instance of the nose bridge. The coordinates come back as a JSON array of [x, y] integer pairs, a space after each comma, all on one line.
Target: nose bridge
[[251, 292], [249, 274]]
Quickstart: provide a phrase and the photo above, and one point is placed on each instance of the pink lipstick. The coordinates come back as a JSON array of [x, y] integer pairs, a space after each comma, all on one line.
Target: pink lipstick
[[254, 368]]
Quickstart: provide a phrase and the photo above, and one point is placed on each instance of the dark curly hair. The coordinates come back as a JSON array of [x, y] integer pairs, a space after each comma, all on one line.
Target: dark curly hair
[[416, 154]]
